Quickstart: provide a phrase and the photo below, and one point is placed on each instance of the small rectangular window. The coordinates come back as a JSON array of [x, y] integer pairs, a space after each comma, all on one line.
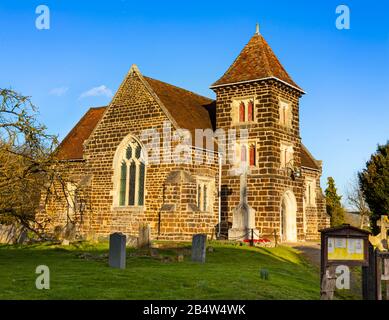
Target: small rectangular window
[[310, 192], [285, 114], [286, 155], [204, 194]]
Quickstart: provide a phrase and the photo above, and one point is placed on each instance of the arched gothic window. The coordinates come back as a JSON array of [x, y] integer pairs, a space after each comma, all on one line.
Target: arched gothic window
[[131, 188]]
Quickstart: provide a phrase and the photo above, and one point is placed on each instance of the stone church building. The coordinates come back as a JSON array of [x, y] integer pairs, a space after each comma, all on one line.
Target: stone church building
[[116, 188]]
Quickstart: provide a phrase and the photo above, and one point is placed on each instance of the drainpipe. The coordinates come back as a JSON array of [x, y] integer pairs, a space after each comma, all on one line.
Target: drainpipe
[[220, 192]]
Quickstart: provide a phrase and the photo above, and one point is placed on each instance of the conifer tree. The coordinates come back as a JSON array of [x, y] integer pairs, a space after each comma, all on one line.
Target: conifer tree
[[333, 204], [374, 183]]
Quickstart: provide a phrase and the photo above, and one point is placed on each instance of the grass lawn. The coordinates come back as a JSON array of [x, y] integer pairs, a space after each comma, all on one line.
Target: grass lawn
[[231, 272]]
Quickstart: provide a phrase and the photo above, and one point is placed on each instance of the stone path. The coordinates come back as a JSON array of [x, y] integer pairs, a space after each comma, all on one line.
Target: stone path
[[310, 250]]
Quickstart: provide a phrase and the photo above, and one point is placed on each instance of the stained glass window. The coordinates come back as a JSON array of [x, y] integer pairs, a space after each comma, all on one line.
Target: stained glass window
[[138, 151], [129, 152], [123, 178], [141, 185], [132, 176], [131, 186]]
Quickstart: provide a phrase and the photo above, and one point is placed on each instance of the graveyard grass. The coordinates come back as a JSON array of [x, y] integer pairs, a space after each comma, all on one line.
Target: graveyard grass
[[231, 272]]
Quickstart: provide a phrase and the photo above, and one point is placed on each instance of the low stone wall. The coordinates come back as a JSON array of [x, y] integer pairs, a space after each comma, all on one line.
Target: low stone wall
[[182, 226]]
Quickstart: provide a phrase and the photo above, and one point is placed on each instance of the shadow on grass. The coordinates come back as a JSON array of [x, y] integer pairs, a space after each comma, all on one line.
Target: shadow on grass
[[82, 272]]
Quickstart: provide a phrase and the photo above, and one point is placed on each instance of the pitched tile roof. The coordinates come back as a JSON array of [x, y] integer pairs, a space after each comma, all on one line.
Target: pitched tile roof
[[307, 160], [71, 148], [256, 61], [190, 110]]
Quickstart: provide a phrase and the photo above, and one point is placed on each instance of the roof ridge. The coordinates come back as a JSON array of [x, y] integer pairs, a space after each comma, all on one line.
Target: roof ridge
[[180, 88], [95, 108], [267, 47]]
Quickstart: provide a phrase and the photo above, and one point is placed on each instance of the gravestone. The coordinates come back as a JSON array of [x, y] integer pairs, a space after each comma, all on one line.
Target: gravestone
[[22, 237], [69, 233], [144, 236], [199, 243], [117, 250]]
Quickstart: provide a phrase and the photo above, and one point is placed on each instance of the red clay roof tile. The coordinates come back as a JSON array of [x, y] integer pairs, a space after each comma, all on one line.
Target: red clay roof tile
[[71, 147], [307, 160], [256, 61], [189, 109]]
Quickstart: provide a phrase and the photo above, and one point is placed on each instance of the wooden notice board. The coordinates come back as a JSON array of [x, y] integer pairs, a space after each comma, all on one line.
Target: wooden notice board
[[351, 249]]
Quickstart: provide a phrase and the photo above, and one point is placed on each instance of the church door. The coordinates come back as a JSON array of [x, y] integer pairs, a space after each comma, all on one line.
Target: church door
[[288, 217]]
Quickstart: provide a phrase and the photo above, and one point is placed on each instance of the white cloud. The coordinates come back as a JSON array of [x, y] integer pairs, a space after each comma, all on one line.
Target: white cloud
[[97, 91], [58, 91]]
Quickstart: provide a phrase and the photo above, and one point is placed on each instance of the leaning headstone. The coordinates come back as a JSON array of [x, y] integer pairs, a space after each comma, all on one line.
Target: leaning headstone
[[117, 250], [132, 241], [22, 237], [57, 233], [199, 243], [69, 232], [144, 236]]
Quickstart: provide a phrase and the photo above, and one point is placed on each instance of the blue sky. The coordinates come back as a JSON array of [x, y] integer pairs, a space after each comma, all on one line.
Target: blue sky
[[92, 44]]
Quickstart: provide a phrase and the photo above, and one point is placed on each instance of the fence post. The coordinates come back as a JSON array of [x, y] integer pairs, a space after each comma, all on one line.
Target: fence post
[[369, 277]]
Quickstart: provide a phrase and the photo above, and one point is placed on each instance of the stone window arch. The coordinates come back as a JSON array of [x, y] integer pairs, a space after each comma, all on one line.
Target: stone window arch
[[129, 173], [243, 111]]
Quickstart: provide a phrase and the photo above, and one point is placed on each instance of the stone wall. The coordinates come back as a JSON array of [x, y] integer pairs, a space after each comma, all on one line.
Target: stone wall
[[316, 216], [170, 189], [267, 181], [169, 208]]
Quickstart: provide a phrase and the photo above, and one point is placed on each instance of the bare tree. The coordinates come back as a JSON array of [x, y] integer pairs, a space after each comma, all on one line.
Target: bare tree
[[29, 170], [357, 202]]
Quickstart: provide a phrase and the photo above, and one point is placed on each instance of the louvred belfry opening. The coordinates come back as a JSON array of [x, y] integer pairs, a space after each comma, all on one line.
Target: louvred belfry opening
[[250, 111], [242, 112], [252, 155]]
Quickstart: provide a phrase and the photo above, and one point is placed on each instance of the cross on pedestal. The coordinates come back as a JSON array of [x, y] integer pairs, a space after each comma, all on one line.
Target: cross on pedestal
[[384, 224], [243, 216], [243, 185]]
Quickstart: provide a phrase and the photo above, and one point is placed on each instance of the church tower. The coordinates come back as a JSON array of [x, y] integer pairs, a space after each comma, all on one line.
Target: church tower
[[256, 93]]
